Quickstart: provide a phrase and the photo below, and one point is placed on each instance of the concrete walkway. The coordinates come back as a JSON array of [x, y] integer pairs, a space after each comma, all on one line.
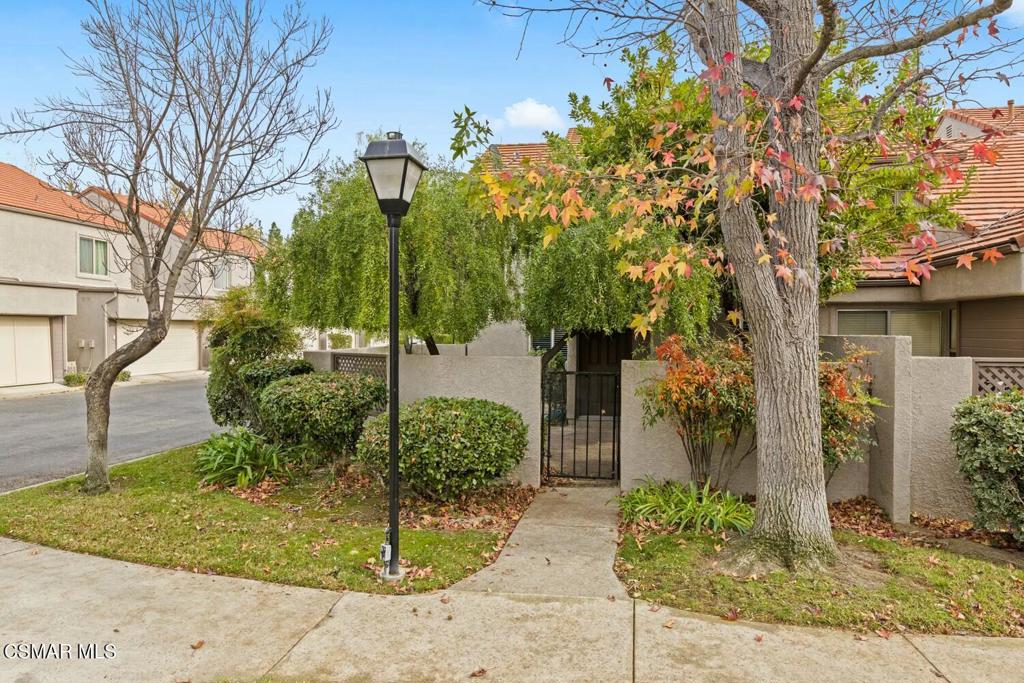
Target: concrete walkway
[[501, 625]]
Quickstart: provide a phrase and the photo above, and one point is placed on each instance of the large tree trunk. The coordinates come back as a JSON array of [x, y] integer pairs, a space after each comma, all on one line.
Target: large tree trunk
[[792, 525], [97, 402]]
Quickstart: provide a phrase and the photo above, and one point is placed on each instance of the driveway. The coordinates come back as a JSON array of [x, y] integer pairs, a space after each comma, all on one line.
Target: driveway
[[43, 438]]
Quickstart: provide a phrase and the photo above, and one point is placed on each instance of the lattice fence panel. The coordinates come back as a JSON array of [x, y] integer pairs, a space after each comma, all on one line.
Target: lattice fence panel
[[361, 364], [998, 375]]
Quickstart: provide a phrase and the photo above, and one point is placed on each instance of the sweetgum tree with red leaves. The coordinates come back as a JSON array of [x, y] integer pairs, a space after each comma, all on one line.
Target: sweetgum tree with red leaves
[[767, 169]]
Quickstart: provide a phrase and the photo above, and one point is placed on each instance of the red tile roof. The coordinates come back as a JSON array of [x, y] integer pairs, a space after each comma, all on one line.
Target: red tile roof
[[1004, 119], [508, 156], [992, 210], [22, 191], [213, 239]]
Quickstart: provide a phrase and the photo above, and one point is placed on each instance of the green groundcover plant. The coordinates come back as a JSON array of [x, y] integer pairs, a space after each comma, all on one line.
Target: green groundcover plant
[[686, 507], [447, 446], [240, 457]]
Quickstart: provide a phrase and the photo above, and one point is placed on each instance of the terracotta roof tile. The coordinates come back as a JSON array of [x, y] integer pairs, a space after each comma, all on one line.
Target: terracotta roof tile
[[214, 239], [509, 156], [22, 191], [999, 119]]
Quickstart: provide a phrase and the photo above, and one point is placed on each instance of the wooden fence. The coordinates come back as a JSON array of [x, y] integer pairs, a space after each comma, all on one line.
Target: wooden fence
[[998, 374]]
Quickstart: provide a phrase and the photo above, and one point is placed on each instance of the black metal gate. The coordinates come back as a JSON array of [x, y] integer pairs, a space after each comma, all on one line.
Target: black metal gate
[[581, 424]]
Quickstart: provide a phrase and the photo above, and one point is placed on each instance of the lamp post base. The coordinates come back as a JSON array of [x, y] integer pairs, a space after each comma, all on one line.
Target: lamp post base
[[386, 574]]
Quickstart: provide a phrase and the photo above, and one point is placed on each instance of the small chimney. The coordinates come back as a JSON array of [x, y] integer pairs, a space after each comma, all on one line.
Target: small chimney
[[1009, 109]]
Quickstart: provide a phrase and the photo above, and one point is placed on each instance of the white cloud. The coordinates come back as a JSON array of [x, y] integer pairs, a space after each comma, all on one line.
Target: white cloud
[[1016, 13], [529, 114]]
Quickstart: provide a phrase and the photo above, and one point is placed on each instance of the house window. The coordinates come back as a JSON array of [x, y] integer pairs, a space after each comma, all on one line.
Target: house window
[[222, 277], [862, 322], [92, 256], [923, 327]]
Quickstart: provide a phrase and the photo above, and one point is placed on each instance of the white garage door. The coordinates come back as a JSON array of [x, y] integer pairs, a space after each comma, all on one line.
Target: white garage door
[[178, 351], [25, 351]]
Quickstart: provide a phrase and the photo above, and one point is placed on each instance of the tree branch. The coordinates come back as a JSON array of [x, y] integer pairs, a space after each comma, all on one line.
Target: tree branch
[[830, 18], [916, 40]]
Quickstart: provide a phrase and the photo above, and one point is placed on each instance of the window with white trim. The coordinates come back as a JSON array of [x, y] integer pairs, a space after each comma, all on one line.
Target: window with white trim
[[92, 256]]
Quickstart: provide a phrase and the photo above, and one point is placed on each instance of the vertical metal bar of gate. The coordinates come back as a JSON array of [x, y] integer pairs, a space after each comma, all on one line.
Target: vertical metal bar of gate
[[584, 403]]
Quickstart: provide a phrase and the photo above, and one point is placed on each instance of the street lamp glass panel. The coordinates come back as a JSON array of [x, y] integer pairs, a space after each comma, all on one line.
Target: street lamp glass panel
[[412, 179], [386, 175]]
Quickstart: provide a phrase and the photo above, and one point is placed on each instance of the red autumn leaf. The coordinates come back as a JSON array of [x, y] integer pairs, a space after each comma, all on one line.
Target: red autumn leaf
[[965, 261], [732, 615], [991, 255], [784, 273], [479, 673], [809, 191], [796, 103], [984, 152], [993, 30], [954, 174], [608, 80]]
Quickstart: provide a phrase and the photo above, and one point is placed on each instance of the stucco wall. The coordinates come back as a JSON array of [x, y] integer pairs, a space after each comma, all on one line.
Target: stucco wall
[[937, 487], [514, 381], [984, 281], [889, 462], [501, 339], [88, 328], [17, 299], [657, 451]]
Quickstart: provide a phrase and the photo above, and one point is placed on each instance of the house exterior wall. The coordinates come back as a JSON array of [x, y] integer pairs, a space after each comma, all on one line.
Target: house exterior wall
[[992, 328], [43, 249], [501, 339], [513, 381], [936, 486], [87, 332], [983, 281]]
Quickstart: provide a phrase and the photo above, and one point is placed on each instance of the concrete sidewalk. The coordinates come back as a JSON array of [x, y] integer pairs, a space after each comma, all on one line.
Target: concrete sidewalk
[[497, 626], [33, 390]]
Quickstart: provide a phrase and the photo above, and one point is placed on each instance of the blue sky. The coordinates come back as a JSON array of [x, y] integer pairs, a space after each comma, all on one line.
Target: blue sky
[[403, 64]]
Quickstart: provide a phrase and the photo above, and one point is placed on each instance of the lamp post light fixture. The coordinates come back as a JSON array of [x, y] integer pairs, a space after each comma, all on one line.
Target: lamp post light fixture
[[394, 170]]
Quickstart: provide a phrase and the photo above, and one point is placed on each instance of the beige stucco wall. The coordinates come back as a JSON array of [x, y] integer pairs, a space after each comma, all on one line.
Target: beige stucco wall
[[513, 381], [937, 487], [657, 451], [889, 463], [18, 299], [501, 339], [983, 281], [41, 249]]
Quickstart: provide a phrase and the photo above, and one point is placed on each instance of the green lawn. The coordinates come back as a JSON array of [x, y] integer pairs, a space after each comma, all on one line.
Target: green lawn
[[311, 533], [878, 585]]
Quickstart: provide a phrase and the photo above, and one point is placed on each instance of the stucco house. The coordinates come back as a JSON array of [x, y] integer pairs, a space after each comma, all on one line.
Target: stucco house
[[959, 310], [67, 291]]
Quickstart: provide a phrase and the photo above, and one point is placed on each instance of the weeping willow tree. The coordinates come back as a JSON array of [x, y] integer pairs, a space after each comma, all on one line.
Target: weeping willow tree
[[455, 264]]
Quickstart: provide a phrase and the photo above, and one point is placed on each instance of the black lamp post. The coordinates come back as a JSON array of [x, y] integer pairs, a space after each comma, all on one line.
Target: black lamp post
[[395, 171]]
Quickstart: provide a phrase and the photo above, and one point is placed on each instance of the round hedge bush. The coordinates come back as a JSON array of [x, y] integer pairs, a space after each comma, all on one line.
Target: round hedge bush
[[988, 432], [257, 375], [447, 446], [325, 409]]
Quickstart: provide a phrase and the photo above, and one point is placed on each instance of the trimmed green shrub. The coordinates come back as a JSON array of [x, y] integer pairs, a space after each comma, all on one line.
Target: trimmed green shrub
[[685, 507], [259, 374], [324, 409], [75, 379], [240, 333], [447, 446], [988, 432], [239, 458]]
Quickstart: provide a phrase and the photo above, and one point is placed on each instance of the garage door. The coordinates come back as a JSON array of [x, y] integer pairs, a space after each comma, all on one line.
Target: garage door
[[25, 351], [179, 351]]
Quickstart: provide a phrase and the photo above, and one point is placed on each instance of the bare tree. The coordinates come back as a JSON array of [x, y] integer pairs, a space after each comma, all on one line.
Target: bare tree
[[189, 109], [778, 53]]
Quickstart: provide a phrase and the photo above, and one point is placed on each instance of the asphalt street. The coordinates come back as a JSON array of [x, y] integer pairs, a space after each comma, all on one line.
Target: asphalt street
[[43, 437]]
